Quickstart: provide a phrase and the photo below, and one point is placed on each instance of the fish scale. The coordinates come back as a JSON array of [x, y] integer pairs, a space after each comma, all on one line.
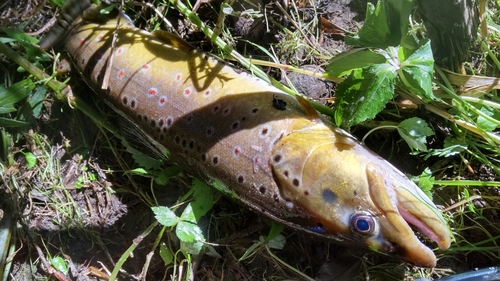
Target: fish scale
[[270, 151]]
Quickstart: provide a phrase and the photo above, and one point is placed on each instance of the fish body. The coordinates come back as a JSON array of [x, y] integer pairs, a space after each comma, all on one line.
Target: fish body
[[265, 148]]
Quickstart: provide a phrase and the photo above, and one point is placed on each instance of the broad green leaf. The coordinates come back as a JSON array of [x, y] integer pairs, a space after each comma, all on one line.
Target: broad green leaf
[[165, 216], [414, 131], [188, 214], [139, 171], [357, 58], [364, 94], [189, 232], [484, 123], [16, 92], [193, 248], [59, 264], [143, 160], [385, 25], [36, 99], [452, 147], [417, 71], [165, 254], [276, 229], [166, 174], [203, 198]]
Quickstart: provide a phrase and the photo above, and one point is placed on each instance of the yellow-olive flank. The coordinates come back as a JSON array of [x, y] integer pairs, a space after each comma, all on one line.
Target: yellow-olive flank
[[270, 151]]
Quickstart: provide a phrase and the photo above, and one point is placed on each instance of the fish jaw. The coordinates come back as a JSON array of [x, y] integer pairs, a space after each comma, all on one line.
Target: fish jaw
[[354, 196], [401, 207]]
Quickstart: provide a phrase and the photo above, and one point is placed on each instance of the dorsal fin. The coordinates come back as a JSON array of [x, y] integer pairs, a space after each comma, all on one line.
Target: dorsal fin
[[311, 113], [173, 40]]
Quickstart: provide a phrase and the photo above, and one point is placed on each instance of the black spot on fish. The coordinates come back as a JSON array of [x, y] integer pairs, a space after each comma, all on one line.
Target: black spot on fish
[[329, 196], [277, 158], [255, 110], [125, 102], [264, 131], [306, 193], [177, 139], [241, 179], [296, 182], [262, 190], [276, 198], [279, 103], [164, 130], [161, 123], [203, 157], [191, 144], [319, 224], [133, 104], [215, 160], [235, 125], [153, 123], [243, 118], [145, 119], [184, 143], [285, 173]]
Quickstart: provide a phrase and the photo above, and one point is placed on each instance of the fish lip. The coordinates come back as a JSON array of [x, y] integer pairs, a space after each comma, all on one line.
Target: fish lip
[[422, 227]]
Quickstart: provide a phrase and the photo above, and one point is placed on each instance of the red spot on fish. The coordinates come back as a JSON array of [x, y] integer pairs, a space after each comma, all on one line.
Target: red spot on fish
[[236, 151], [187, 92], [145, 67], [99, 38], [81, 41], [207, 93], [119, 51], [121, 73], [162, 101], [178, 77], [152, 91], [99, 56]]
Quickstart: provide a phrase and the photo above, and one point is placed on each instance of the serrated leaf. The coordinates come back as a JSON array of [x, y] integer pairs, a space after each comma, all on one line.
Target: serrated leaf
[[188, 214], [59, 264], [189, 232], [193, 248], [414, 131], [277, 242], [13, 94], [142, 159], [364, 93], [204, 198], [166, 254], [385, 24], [357, 58], [426, 182], [165, 216], [417, 72], [166, 174]]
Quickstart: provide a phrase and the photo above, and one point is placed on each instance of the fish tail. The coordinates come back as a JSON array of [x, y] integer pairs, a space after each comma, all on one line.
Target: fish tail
[[70, 12]]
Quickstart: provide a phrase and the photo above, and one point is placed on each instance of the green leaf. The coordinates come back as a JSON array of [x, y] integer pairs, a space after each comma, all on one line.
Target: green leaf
[[166, 254], [188, 214], [276, 229], [7, 122], [189, 232], [30, 159], [204, 198], [385, 25], [414, 131], [452, 147], [166, 174], [277, 242], [28, 42], [59, 264], [165, 216], [417, 71], [357, 58], [426, 182], [193, 248], [484, 123], [139, 171], [364, 94], [13, 94]]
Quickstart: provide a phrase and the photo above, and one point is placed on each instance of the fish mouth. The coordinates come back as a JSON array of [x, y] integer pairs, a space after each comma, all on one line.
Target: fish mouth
[[401, 207]]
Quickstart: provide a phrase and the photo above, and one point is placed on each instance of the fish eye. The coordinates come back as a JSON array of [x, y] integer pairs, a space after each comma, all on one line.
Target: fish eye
[[363, 224]]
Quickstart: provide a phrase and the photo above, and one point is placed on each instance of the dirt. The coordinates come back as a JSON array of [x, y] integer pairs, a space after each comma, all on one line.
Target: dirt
[[112, 212]]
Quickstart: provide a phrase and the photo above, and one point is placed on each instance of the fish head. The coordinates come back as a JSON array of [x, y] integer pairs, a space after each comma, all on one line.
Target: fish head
[[352, 195]]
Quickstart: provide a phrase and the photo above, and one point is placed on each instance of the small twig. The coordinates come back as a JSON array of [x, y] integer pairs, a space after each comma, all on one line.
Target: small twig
[[463, 202]]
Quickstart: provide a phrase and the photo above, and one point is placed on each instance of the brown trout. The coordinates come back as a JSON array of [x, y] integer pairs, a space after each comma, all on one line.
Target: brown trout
[[270, 151]]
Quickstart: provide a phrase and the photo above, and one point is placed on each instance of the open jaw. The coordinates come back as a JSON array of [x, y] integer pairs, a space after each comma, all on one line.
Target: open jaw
[[401, 206]]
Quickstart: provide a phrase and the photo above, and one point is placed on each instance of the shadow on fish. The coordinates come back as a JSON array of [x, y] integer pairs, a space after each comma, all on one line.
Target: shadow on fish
[[268, 150]]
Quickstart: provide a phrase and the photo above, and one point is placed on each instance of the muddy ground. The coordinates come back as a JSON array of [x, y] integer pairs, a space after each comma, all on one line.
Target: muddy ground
[[103, 215]]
